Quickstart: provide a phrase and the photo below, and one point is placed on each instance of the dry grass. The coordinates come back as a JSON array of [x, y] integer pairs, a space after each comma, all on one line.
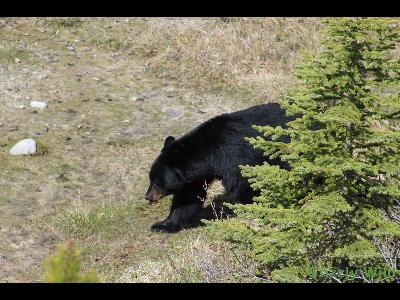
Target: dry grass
[[10, 52], [246, 57], [198, 260], [59, 22]]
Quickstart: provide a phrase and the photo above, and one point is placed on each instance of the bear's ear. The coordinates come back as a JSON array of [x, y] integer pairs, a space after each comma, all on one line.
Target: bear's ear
[[168, 141]]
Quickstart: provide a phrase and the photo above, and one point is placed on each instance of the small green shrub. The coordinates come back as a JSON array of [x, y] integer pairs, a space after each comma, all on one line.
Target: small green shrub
[[41, 149], [64, 267]]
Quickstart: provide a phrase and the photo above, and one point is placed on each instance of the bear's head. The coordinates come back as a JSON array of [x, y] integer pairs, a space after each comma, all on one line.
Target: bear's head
[[166, 176]]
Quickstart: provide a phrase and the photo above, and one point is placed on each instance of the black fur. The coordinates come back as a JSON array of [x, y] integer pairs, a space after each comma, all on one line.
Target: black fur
[[213, 150]]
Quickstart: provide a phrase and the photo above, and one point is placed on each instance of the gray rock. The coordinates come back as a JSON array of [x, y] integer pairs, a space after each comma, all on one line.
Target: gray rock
[[38, 104], [24, 147], [71, 48]]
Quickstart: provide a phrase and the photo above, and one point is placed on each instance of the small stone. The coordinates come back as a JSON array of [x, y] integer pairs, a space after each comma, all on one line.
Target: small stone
[[22, 106], [17, 60], [79, 126], [134, 98], [24, 147], [42, 76], [38, 104], [125, 121], [71, 48]]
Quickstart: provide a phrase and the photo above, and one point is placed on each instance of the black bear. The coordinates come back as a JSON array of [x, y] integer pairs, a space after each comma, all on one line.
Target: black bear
[[213, 150]]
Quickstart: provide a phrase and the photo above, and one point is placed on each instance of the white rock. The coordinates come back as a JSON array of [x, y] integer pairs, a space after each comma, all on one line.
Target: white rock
[[38, 104], [24, 147], [43, 76]]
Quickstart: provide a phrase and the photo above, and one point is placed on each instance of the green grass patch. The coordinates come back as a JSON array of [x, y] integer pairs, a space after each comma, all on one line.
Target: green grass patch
[[81, 221], [11, 53], [121, 142], [41, 149]]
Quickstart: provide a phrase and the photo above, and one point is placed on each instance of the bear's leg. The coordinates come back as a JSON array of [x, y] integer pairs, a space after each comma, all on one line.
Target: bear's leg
[[241, 192], [185, 207], [245, 194]]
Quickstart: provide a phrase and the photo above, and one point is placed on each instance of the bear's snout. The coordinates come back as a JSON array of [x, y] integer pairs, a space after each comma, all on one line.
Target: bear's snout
[[153, 193]]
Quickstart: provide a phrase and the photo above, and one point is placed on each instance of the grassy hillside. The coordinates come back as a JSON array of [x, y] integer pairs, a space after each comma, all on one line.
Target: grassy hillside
[[116, 87]]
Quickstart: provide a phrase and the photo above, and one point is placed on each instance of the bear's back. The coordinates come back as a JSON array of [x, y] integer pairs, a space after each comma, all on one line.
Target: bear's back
[[233, 127], [222, 139], [264, 114]]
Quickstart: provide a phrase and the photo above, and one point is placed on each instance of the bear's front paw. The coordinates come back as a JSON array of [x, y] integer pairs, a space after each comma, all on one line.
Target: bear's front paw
[[165, 226]]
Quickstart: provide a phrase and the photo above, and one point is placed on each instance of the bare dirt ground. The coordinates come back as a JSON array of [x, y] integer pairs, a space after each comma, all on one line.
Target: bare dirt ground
[[105, 123]]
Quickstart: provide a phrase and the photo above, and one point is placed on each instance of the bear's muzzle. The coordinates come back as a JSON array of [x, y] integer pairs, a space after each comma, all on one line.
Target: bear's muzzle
[[153, 193]]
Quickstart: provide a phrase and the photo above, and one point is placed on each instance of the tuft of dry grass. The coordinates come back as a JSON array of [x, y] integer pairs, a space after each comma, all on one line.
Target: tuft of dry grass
[[59, 21], [198, 260]]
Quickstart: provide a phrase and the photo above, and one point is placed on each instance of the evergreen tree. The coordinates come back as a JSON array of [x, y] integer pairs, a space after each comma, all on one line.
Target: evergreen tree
[[344, 157]]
